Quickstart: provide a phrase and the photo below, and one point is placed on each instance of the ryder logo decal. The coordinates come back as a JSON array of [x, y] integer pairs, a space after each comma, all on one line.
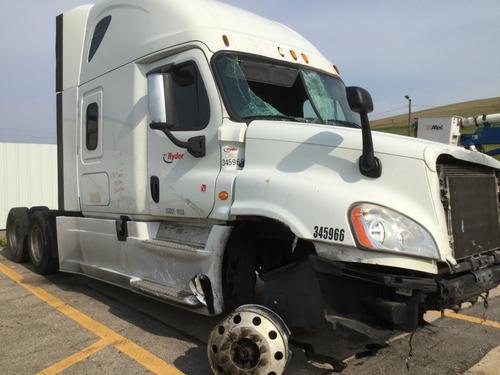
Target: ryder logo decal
[[170, 157], [230, 149]]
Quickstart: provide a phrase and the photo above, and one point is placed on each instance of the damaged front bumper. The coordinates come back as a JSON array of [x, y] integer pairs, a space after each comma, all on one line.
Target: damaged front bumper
[[380, 296], [401, 299]]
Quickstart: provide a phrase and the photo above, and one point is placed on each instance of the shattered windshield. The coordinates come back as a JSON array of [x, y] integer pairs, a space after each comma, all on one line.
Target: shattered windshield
[[259, 89]]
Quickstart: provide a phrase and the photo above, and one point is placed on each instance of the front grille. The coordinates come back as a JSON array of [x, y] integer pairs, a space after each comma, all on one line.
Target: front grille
[[470, 196]]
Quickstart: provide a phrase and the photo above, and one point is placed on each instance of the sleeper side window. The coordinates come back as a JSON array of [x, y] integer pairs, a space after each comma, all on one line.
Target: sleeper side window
[[190, 99], [98, 36], [92, 126]]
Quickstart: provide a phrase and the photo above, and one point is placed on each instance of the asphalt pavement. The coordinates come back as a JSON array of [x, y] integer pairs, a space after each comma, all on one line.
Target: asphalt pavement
[[72, 324]]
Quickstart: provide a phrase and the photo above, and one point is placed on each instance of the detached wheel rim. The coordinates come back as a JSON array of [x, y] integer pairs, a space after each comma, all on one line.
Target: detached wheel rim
[[251, 340], [36, 244]]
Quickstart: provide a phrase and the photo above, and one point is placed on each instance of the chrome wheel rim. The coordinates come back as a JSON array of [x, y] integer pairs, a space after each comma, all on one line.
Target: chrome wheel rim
[[251, 340]]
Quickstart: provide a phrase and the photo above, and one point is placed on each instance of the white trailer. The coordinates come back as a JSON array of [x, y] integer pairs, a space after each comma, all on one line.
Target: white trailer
[[202, 147], [28, 176]]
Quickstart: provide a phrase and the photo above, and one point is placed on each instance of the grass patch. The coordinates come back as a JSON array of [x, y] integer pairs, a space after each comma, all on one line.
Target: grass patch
[[3, 241], [465, 109], [399, 129]]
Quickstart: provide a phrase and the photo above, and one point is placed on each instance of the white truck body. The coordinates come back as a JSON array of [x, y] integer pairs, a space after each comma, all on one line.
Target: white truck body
[[138, 211]]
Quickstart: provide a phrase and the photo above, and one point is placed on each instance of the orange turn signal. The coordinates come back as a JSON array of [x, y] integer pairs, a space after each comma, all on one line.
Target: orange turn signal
[[356, 219], [294, 54], [223, 195], [306, 59]]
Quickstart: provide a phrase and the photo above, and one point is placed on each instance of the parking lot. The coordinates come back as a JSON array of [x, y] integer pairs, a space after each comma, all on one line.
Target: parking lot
[[72, 324]]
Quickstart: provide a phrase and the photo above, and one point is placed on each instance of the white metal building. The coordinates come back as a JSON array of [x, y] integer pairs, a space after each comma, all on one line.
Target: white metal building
[[28, 176]]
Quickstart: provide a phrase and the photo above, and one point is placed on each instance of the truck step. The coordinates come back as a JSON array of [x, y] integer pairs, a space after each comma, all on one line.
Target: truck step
[[163, 292], [163, 245]]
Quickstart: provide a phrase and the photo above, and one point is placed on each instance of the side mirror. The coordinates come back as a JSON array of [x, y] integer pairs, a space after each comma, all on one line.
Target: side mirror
[[162, 109], [160, 98], [359, 100]]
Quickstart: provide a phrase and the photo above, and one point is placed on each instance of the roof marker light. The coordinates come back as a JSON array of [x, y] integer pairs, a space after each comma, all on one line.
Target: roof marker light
[[304, 56], [294, 54], [226, 40], [336, 68], [281, 52]]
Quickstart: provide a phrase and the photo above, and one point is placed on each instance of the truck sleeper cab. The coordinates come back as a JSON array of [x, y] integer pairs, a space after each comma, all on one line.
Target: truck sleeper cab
[[214, 148]]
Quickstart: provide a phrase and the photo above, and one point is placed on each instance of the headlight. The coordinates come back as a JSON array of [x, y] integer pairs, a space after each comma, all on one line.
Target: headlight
[[379, 228]]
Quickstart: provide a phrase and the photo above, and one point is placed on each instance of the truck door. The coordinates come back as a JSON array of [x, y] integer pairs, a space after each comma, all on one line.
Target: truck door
[[182, 185]]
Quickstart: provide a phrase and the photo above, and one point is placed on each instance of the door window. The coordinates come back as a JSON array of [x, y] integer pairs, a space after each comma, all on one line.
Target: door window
[[190, 99]]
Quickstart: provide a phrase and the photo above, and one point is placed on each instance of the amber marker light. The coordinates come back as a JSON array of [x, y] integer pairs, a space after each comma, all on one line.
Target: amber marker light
[[294, 54], [226, 40], [223, 195], [336, 68], [357, 222], [306, 59]]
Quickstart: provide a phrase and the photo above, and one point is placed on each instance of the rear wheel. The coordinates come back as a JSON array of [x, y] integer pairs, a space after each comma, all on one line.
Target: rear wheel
[[17, 232], [42, 242], [32, 210]]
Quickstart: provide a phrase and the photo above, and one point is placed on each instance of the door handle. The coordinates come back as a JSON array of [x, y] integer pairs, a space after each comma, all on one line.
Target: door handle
[[155, 188]]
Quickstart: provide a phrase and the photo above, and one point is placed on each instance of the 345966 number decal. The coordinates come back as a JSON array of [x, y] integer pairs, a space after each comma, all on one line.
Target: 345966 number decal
[[328, 233]]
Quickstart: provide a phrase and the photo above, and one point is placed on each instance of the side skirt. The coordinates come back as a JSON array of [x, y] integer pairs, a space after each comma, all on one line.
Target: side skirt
[[157, 259]]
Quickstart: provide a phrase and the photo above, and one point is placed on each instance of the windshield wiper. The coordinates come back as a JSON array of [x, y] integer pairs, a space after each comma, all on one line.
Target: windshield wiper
[[271, 117], [343, 123]]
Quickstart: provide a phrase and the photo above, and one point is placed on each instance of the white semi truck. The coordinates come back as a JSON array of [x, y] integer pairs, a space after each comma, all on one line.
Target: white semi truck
[[204, 150]]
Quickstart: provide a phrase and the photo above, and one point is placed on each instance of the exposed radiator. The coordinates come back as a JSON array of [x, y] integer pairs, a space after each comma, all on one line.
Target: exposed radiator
[[470, 196]]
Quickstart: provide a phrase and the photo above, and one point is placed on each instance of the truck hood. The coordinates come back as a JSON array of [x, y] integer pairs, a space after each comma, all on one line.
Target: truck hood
[[350, 138]]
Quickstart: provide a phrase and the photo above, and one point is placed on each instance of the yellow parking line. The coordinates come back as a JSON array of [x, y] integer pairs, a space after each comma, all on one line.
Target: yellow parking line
[[134, 351], [472, 319], [62, 365]]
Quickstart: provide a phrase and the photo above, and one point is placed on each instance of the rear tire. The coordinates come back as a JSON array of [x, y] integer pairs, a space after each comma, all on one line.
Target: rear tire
[[32, 210], [17, 233], [42, 243]]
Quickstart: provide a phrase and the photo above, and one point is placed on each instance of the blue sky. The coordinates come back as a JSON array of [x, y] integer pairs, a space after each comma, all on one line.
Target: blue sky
[[438, 52]]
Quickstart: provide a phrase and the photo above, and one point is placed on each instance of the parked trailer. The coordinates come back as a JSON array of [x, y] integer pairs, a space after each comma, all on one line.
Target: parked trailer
[[202, 147], [28, 175]]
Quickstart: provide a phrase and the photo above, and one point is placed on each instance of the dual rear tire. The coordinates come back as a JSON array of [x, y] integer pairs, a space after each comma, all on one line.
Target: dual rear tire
[[31, 235], [17, 233]]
